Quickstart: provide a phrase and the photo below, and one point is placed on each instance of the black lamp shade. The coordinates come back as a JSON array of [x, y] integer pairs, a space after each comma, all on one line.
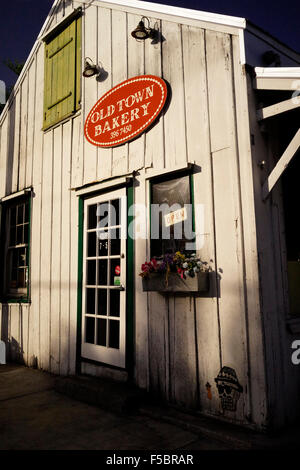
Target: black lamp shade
[[140, 32], [90, 69]]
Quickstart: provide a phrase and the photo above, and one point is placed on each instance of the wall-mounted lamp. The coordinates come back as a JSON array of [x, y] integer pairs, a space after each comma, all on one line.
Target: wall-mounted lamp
[[90, 69], [141, 32]]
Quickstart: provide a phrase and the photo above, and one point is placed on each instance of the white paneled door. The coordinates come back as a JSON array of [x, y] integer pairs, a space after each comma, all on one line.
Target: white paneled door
[[104, 278]]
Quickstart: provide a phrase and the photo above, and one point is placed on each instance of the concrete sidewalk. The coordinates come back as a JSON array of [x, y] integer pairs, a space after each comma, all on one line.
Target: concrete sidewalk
[[39, 411], [33, 416]]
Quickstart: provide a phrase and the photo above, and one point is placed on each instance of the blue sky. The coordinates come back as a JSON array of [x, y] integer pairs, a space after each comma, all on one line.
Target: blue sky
[[21, 21]]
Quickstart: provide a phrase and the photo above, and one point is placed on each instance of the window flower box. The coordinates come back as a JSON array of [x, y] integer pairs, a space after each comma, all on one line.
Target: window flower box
[[175, 273], [156, 282]]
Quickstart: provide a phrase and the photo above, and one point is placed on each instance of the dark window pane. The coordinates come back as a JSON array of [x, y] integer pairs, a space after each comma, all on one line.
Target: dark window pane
[[113, 264], [22, 278], [13, 279], [22, 257], [12, 240], [102, 215], [102, 237], [13, 216], [92, 244], [91, 272], [101, 332], [92, 218], [102, 272], [89, 330], [15, 258], [90, 301], [20, 214], [115, 212], [114, 329], [114, 303], [26, 212], [102, 302], [115, 242], [19, 240], [26, 230]]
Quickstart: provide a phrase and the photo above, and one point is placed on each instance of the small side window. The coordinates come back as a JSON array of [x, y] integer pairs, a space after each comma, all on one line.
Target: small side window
[[15, 249], [171, 216]]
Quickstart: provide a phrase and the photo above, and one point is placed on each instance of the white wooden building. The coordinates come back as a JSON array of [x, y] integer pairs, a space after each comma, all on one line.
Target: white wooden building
[[229, 128]]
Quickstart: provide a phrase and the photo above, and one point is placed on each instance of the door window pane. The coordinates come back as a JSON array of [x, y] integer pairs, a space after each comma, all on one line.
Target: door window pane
[[102, 272], [115, 213], [92, 216], [89, 330], [115, 243], [114, 263], [90, 301], [91, 244], [102, 215], [102, 301], [114, 330], [114, 303], [102, 240], [101, 331], [91, 272]]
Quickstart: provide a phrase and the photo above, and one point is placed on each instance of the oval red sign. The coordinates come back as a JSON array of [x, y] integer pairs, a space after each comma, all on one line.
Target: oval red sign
[[125, 111]]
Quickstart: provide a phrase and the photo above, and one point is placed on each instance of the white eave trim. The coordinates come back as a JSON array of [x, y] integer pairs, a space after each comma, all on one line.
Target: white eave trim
[[277, 72], [110, 183], [23, 192], [173, 11]]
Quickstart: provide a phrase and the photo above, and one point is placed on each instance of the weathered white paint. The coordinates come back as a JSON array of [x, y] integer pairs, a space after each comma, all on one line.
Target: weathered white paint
[[278, 108], [180, 342]]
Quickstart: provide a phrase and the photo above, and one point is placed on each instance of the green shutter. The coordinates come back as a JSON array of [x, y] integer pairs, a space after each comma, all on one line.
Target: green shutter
[[60, 76], [78, 63]]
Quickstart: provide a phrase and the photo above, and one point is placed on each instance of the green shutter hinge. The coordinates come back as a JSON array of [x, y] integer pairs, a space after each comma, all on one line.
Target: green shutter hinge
[[60, 100]]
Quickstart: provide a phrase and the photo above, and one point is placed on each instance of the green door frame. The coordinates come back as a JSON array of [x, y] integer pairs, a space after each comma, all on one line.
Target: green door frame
[[129, 288]]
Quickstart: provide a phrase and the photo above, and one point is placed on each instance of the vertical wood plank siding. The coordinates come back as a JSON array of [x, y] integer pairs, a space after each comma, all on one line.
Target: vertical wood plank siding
[[180, 343]]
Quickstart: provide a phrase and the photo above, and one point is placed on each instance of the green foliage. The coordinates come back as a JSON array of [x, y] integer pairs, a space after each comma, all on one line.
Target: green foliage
[[14, 66]]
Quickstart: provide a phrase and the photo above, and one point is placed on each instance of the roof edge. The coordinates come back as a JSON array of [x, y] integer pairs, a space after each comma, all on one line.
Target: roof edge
[[253, 28], [199, 15], [277, 72]]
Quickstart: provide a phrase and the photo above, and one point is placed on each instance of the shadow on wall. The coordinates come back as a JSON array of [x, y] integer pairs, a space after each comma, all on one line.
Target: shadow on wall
[[14, 348]]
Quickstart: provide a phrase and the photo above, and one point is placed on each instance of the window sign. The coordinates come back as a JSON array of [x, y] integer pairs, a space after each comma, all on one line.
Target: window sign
[[175, 217]]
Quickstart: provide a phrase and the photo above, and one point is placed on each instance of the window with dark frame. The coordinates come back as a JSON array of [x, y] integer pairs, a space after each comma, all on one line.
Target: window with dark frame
[[171, 215], [16, 234]]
